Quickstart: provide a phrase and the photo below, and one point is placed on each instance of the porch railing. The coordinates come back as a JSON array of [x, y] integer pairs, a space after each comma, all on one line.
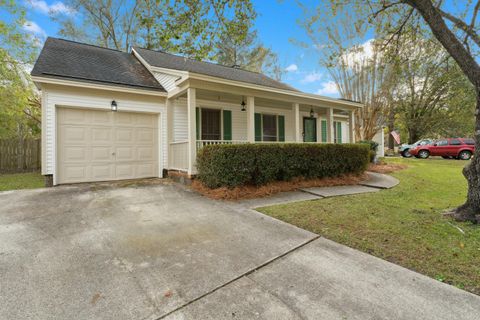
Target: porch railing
[[203, 143]]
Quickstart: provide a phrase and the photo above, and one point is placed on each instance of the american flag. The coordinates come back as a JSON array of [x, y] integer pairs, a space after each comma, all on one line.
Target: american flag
[[395, 136]]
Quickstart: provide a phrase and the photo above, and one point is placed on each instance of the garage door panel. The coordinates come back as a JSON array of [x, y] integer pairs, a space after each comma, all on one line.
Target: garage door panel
[[102, 171], [75, 153], [126, 153], [74, 134], [124, 136], [146, 170], [101, 134], [145, 154], [74, 116], [145, 136], [125, 171], [102, 153], [102, 118], [103, 145], [145, 120], [75, 173]]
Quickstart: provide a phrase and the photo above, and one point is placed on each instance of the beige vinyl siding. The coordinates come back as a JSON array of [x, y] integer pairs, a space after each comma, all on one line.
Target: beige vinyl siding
[[67, 96], [166, 80]]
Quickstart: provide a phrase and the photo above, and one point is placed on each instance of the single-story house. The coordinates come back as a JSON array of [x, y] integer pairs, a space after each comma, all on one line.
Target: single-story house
[[112, 115]]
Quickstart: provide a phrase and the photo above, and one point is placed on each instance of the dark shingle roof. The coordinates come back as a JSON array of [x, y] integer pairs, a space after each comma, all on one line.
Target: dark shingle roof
[[82, 62], [170, 61]]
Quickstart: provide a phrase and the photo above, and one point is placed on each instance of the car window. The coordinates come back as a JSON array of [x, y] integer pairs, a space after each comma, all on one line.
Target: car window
[[424, 142], [455, 142], [442, 142], [469, 141]]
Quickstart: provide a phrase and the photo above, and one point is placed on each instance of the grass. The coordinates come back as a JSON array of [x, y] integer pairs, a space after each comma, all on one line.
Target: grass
[[15, 181], [403, 225]]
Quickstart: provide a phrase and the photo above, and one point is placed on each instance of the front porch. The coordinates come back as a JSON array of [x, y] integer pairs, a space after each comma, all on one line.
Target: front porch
[[199, 117]]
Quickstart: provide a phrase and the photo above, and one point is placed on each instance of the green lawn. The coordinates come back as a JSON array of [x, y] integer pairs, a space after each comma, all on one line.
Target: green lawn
[[21, 181], [403, 225]]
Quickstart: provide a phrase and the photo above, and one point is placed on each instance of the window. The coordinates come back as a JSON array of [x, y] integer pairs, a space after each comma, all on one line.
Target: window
[[269, 132], [442, 143], [211, 124], [337, 132], [469, 141], [455, 142]]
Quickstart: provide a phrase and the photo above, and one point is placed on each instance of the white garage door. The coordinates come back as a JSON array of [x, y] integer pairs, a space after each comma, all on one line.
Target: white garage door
[[104, 145]]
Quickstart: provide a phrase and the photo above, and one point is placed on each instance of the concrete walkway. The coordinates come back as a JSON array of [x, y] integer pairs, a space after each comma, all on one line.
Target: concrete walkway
[[374, 183]]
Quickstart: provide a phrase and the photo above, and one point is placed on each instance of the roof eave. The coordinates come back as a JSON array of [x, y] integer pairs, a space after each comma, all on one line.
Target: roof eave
[[299, 94], [38, 80]]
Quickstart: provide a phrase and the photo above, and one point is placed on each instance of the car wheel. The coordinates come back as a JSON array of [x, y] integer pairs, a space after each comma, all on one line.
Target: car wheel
[[423, 154], [406, 153], [465, 155]]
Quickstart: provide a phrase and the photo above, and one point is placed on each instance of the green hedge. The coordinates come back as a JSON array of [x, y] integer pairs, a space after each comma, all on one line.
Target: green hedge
[[257, 164]]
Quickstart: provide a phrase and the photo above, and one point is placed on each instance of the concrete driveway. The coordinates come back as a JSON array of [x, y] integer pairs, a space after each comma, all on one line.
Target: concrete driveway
[[158, 251]]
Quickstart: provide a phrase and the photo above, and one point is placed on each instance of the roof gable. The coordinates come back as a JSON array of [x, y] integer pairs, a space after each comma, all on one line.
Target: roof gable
[[82, 62], [169, 61]]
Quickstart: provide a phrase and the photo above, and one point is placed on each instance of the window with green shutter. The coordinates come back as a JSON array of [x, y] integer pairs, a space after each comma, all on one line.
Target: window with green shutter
[[339, 132], [324, 131], [281, 128], [227, 125], [258, 127]]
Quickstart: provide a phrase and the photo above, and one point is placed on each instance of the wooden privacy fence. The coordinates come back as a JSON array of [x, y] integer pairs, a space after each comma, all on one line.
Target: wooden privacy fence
[[19, 155]]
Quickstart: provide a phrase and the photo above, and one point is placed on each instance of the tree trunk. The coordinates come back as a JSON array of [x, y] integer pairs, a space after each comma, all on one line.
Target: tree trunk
[[470, 210], [391, 127]]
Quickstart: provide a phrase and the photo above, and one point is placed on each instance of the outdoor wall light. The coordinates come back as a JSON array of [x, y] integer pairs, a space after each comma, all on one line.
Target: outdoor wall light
[[243, 105], [114, 105], [312, 114]]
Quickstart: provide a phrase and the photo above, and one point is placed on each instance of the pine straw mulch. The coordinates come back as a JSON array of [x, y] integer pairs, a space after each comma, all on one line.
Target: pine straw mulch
[[249, 192], [386, 167]]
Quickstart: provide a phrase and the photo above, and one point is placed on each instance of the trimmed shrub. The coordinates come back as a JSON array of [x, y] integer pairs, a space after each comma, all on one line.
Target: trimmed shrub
[[373, 148], [233, 165]]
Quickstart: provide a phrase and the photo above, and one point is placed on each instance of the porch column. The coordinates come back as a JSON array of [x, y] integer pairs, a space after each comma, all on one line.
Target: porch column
[[330, 129], [251, 119], [296, 112], [192, 129], [351, 126], [169, 108]]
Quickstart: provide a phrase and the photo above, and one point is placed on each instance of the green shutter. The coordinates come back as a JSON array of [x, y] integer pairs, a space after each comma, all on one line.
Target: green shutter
[[258, 127], [339, 132], [197, 119], [281, 128], [227, 125], [324, 131]]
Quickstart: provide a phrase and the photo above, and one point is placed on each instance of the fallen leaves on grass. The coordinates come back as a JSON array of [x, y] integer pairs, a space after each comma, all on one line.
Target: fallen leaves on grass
[[249, 192], [386, 167]]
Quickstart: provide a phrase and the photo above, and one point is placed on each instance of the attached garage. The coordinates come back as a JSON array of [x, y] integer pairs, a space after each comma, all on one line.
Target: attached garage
[[94, 145]]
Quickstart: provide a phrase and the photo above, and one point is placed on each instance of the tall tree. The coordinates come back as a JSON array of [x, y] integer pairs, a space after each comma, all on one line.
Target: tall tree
[[358, 67], [461, 40], [247, 53], [189, 27], [19, 102]]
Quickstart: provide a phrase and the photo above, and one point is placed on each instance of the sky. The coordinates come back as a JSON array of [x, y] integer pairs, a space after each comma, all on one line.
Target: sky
[[276, 26]]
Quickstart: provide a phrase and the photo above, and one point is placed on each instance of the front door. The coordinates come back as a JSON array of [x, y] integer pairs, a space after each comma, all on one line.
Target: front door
[[309, 130]]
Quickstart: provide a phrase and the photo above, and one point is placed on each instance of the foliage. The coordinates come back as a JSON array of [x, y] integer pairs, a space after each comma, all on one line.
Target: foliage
[[191, 28], [359, 69], [258, 164], [248, 54], [19, 101], [372, 144], [403, 225]]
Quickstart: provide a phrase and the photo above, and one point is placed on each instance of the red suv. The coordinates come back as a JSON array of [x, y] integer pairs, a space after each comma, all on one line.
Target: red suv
[[457, 148]]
